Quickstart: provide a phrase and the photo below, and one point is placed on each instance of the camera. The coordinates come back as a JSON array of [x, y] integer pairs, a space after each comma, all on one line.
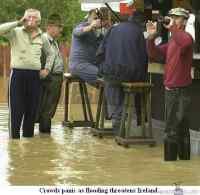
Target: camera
[[99, 14], [163, 20], [157, 17], [102, 13]]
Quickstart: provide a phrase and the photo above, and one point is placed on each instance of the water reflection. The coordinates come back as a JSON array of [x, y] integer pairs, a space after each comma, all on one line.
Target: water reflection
[[76, 158], [31, 160]]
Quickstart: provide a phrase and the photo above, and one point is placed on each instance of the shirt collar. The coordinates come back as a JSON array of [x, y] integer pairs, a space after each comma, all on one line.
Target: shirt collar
[[50, 37]]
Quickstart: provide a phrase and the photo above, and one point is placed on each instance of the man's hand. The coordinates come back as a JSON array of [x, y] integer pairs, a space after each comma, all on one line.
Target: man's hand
[[95, 24], [22, 20], [151, 29], [44, 73]]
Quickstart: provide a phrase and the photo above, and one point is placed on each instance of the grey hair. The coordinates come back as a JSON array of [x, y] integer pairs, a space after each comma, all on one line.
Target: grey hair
[[37, 12]]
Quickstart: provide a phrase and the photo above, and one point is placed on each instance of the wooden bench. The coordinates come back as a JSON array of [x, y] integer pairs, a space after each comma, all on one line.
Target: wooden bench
[[86, 107], [124, 138]]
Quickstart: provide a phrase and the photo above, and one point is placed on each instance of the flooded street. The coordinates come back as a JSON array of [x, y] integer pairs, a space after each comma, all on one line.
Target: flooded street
[[75, 157]]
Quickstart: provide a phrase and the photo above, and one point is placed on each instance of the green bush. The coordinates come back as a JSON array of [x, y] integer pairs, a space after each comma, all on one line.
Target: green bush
[[70, 11]]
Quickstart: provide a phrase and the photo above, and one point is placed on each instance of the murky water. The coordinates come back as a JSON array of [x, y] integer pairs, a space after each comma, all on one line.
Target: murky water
[[75, 157]]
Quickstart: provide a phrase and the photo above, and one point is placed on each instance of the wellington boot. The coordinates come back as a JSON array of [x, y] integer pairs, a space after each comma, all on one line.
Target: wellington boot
[[170, 149], [184, 148]]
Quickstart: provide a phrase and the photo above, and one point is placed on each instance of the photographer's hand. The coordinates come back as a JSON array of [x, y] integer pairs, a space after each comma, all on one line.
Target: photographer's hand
[[151, 29], [95, 24]]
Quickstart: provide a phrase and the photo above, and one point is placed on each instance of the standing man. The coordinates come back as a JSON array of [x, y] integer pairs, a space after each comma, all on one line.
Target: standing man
[[177, 79], [24, 86], [86, 38], [125, 60], [51, 85]]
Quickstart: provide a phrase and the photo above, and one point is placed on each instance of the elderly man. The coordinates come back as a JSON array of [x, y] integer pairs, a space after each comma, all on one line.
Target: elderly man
[[85, 40], [177, 79], [24, 86], [51, 85]]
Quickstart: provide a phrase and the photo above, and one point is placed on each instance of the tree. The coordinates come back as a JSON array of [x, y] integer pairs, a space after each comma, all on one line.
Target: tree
[[69, 10]]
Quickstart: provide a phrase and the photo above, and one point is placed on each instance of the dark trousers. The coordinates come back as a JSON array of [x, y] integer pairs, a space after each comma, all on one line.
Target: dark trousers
[[177, 138], [87, 72], [49, 98], [24, 89], [177, 102], [115, 97]]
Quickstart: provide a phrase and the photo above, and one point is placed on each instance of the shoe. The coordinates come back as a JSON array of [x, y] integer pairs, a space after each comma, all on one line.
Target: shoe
[[170, 149]]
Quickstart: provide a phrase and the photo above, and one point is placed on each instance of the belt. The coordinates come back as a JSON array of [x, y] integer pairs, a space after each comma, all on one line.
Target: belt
[[57, 73]]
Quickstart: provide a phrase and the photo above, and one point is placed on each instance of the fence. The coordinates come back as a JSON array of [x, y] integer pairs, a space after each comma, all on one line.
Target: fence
[[4, 60]]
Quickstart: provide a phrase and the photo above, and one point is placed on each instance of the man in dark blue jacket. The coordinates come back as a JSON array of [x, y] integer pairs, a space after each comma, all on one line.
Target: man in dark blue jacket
[[125, 59]]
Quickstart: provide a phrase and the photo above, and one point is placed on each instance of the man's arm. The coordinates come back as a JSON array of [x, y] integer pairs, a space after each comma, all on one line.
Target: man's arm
[[7, 29], [182, 38], [156, 52], [83, 29]]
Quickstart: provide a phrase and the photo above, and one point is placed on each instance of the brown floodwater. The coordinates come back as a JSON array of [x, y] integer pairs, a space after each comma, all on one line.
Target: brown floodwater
[[75, 157]]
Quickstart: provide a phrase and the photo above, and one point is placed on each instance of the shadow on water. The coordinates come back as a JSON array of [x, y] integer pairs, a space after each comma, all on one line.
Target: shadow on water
[[75, 157]]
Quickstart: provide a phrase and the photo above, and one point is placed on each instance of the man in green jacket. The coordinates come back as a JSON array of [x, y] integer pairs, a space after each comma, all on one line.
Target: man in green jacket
[[51, 85]]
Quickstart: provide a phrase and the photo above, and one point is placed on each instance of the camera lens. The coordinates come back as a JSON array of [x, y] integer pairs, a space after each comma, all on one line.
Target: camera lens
[[163, 20], [166, 21]]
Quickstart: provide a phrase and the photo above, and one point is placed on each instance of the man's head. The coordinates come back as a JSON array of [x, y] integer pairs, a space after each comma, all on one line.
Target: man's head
[[91, 16], [102, 14], [180, 16], [32, 18], [105, 16], [54, 25]]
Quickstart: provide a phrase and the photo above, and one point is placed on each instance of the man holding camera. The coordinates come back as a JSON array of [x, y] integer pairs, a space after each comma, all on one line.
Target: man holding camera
[[24, 86], [177, 79], [85, 41]]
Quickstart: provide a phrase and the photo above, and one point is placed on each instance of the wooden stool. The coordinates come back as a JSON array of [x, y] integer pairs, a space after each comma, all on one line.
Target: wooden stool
[[124, 137], [99, 129], [88, 118]]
